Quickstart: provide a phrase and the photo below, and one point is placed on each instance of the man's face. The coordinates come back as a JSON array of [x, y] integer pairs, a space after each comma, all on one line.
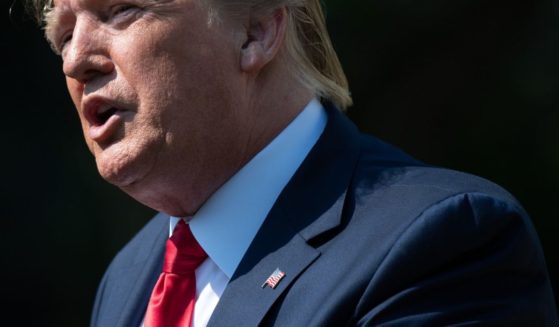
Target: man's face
[[156, 87]]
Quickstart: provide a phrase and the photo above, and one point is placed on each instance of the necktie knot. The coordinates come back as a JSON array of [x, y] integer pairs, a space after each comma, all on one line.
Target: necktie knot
[[183, 253]]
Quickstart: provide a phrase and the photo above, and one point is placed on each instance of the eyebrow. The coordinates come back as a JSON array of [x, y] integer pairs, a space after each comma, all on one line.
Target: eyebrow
[[54, 15]]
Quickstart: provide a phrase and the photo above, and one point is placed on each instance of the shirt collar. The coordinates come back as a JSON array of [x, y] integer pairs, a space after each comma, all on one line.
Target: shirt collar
[[229, 220]]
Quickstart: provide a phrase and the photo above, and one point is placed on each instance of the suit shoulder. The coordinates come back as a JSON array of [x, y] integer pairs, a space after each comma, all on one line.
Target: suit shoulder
[[432, 226], [382, 166]]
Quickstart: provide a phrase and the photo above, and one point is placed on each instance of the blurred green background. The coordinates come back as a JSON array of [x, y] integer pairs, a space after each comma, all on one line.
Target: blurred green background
[[470, 85]]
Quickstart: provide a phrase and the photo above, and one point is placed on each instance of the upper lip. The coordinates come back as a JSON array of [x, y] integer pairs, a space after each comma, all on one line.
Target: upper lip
[[94, 106]]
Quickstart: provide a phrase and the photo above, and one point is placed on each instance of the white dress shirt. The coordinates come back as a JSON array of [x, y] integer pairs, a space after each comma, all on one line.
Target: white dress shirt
[[229, 220]]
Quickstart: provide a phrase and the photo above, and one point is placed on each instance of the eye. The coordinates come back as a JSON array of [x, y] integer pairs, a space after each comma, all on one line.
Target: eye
[[64, 42], [122, 10]]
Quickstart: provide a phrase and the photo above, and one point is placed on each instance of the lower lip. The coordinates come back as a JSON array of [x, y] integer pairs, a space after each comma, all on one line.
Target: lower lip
[[103, 132]]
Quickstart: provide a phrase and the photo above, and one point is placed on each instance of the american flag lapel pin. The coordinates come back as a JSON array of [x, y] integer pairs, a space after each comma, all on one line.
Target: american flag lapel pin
[[274, 279]]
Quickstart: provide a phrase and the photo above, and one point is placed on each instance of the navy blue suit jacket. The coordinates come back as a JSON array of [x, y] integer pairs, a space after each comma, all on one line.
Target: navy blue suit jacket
[[366, 236]]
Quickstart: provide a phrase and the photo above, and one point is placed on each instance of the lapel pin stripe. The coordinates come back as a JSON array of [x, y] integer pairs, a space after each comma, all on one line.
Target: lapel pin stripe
[[274, 279]]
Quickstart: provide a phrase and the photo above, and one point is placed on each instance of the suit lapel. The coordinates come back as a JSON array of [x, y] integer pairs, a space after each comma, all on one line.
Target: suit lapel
[[310, 205], [249, 308], [132, 283]]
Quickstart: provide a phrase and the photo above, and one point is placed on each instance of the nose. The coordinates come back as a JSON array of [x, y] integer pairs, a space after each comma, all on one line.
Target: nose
[[87, 54]]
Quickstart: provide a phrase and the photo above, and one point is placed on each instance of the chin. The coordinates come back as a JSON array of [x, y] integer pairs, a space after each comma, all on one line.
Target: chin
[[117, 178], [118, 172], [123, 163], [155, 198]]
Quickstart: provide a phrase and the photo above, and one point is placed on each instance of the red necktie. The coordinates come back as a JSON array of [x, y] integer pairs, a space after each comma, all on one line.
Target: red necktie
[[172, 300]]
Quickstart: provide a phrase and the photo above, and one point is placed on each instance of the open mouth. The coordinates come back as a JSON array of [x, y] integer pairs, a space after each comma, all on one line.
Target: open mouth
[[99, 112], [102, 116]]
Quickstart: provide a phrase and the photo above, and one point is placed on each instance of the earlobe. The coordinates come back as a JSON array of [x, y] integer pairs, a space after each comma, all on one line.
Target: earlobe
[[264, 38], [252, 57]]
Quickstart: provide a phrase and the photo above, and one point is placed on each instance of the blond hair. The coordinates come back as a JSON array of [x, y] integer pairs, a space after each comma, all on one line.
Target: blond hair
[[314, 61]]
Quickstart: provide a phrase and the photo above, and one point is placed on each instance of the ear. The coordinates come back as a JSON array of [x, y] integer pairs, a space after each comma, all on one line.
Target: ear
[[264, 37]]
